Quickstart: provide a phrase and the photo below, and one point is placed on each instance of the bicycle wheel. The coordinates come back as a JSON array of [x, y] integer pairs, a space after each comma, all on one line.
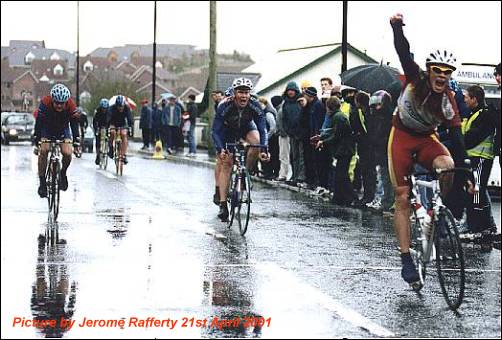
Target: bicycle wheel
[[417, 252], [233, 197], [449, 259], [244, 202], [116, 156], [50, 195], [56, 190]]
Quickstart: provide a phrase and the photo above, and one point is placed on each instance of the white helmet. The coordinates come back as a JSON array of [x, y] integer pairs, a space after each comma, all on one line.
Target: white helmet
[[441, 57], [242, 82]]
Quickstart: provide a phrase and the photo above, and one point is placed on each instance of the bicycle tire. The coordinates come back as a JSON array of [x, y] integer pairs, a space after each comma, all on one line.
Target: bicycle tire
[[57, 175], [450, 261], [417, 251], [244, 202], [116, 156], [233, 197], [48, 181]]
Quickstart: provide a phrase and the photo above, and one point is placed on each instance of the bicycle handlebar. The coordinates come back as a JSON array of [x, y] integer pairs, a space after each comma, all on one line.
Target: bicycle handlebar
[[246, 145], [443, 171]]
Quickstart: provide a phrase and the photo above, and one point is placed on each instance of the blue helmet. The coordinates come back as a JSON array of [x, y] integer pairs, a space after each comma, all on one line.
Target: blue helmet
[[60, 93], [103, 103], [119, 101]]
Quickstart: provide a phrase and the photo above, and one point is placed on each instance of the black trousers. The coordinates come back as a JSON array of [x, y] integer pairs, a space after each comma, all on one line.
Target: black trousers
[[146, 136], [343, 187]]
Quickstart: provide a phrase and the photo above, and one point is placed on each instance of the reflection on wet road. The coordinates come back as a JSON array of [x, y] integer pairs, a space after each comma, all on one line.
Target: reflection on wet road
[[149, 245]]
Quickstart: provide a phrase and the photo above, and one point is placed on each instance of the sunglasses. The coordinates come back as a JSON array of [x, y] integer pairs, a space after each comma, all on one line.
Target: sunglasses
[[444, 70]]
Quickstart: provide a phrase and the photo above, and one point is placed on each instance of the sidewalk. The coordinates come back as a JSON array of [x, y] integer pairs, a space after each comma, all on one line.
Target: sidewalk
[[204, 160]]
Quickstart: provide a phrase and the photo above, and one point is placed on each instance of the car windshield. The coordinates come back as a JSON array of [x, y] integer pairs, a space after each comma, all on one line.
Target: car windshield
[[18, 120]]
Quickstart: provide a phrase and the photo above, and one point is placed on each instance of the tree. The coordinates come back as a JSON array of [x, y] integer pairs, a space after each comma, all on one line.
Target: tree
[[107, 88]]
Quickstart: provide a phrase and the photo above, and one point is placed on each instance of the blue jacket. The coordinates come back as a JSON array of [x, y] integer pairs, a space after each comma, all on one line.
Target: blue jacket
[[227, 119], [145, 121], [316, 112], [292, 112], [167, 120]]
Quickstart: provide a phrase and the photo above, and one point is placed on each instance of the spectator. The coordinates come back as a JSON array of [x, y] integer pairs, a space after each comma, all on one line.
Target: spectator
[[319, 164], [283, 141], [365, 170], [338, 138], [193, 112], [379, 122], [145, 124], [156, 124], [291, 120], [271, 168]]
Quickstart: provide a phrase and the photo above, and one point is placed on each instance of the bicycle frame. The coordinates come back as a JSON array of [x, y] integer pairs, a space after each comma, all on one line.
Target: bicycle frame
[[53, 173], [437, 205], [117, 149]]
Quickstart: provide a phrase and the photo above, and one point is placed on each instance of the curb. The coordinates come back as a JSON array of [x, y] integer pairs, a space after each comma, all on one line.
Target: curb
[[209, 164]]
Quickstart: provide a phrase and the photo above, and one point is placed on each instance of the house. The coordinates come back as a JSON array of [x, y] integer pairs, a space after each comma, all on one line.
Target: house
[[53, 70], [17, 88], [144, 74], [130, 51], [92, 64], [307, 63]]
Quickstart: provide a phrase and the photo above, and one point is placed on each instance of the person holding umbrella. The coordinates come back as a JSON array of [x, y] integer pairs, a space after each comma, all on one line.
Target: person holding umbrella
[[426, 101]]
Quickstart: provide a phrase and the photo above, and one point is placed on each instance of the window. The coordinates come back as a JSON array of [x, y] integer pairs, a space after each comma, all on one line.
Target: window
[[58, 70]]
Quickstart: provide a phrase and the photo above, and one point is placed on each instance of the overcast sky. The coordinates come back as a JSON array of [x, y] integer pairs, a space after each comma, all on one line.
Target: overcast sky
[[472, 30]]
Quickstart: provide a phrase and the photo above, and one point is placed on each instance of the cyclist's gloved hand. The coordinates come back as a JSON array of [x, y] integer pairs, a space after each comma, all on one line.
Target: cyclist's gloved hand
[[264, 156], [36, 150], [454, 86]]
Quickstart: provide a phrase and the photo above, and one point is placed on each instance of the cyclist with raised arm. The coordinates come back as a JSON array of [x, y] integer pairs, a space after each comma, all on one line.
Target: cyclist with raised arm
[[238, 117], [100, 121], [425, 102], [119, 116], [57, 114]]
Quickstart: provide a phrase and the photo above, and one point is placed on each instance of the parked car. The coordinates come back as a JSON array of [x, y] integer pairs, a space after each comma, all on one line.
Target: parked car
[[17, 126]]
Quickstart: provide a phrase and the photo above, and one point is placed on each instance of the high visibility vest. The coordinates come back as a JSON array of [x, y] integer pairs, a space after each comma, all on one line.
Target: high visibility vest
[[485, 149], [345, 108]]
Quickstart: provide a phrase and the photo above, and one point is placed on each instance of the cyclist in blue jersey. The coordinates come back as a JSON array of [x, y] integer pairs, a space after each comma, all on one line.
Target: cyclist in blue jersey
[[238, 117]]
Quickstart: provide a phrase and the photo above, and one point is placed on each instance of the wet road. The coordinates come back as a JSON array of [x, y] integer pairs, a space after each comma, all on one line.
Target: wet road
[[149, 245]]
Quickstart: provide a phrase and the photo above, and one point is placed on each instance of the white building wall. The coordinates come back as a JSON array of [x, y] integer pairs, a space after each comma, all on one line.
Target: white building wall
[[330, 67]]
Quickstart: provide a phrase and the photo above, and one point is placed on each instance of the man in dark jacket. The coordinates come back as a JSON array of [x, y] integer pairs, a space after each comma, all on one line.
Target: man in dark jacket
[[379, 123], [479, 132], [292, 121], [145, 124], [338, 138], [319, 164], [193, 112]]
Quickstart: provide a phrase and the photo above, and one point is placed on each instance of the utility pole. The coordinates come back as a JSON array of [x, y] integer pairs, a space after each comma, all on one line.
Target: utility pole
[[344, 38], [212, 73], [78, 54], [154, 74]]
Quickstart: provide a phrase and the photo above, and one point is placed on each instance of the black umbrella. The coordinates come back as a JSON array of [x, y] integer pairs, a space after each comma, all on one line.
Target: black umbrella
[[373, 77]]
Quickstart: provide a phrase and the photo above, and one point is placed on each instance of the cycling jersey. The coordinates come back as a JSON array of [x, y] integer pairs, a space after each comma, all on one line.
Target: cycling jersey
[[419, 112], [232, 123], [100, 119], [53, 124], [120, 119]]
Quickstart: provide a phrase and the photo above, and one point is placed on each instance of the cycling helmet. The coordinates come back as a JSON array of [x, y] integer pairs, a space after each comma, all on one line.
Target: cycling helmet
[[380, 97], [103, 103], [442, 57], [60, 93], [242, 83], [229, 92], [119, 101]]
